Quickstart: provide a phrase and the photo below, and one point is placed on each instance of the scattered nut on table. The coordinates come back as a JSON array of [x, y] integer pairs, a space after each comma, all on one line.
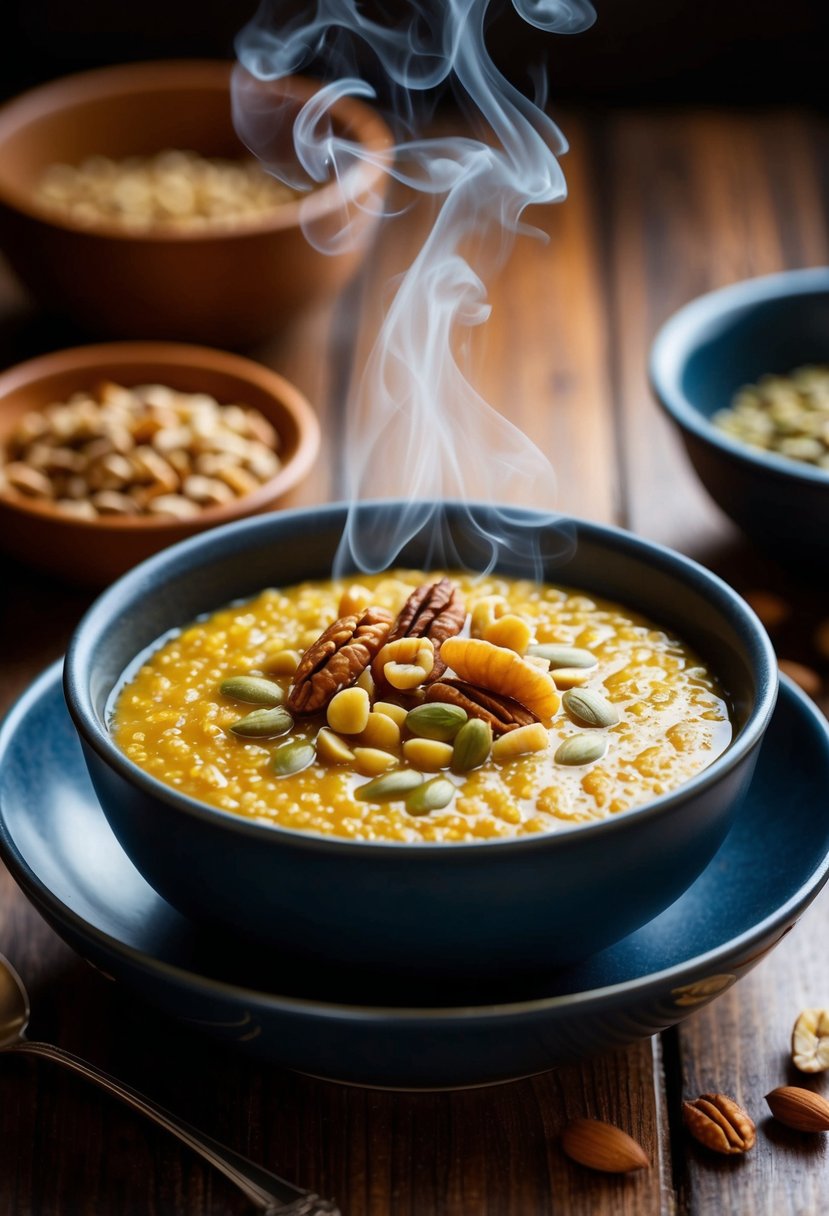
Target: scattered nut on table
[[799, 1109], [602, 1146], [810, 1041], [148, 450], [719, 1124]]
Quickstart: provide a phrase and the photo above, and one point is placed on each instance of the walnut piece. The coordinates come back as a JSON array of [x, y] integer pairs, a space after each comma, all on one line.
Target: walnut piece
[[337, 659], [502, 713]]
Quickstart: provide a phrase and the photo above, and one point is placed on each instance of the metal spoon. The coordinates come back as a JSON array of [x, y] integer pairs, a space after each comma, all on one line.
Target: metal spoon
[[270, 1194]]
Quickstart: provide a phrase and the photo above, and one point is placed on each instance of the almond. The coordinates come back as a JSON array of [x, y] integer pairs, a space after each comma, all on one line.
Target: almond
[[601, 1146], [799, 1108]]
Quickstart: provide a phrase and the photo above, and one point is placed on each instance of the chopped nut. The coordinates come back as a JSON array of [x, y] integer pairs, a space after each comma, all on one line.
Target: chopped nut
[[428, 755], [810, 1041], [348, 711], [380, 731], [718, 1123], [484, 612], [511, 631], [521, 742], [372, 760], [332, 749], [404, 663]]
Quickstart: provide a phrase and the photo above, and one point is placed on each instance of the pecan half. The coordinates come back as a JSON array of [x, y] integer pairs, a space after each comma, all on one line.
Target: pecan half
[[435, 611], [337, 658], [502, 713], [719, 1123]]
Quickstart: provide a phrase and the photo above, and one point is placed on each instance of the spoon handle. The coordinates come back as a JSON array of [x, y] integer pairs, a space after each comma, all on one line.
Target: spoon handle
[[272, 1195]]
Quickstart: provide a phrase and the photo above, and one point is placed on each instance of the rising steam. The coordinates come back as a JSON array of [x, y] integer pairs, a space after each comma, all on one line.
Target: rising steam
[[416, 424]]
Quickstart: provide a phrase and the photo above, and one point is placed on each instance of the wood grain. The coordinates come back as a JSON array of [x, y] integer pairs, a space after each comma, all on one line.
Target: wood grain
[[661, 206]]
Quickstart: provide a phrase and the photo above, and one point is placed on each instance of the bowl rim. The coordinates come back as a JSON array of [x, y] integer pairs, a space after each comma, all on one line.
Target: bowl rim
[[150, 75], [679, 337], [80, 359], [95, 734]]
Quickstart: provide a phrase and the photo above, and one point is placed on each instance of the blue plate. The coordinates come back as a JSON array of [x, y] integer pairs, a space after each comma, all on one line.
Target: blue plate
[[399, 1033]]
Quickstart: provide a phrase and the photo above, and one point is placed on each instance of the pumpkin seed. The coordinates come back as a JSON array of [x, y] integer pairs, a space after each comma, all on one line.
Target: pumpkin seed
[[430, 796], [436, 721], [564, 656], [264, 724], [473, 743], [589, 707], [293, 757], [581, 749], [255, 690], [389, 787]]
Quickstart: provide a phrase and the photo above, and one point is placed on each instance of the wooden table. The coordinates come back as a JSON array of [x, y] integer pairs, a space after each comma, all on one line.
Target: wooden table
[[662, 206]]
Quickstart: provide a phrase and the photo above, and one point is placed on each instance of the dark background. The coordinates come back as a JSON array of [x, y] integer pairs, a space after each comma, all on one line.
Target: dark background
[[739, 51]]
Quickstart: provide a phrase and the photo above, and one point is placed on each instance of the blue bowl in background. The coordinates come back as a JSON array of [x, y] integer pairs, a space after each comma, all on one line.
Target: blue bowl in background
[[473, 909], [702, 356]]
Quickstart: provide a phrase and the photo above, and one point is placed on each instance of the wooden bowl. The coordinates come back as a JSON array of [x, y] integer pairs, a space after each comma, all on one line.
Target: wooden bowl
[[228, 287], [97, 551]]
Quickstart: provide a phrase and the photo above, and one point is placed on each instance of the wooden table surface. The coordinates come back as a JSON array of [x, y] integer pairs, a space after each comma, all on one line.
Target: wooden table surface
[[662, 206]]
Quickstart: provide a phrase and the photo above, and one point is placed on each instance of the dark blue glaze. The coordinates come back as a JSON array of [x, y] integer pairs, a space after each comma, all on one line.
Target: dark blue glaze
[[707, 351], [402, 1031], [449, 908]]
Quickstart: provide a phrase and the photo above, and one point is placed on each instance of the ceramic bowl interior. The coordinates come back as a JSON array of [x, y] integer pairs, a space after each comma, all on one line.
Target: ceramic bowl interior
[[100, 549], [711, 348], [450, 907], [222, 285]]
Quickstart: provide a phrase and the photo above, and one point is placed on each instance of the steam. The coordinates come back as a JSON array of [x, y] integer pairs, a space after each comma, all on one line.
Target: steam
[[417, 427]]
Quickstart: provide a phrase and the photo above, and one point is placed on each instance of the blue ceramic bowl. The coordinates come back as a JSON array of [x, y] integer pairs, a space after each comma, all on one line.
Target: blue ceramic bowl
[[699, 359], [466, 908]]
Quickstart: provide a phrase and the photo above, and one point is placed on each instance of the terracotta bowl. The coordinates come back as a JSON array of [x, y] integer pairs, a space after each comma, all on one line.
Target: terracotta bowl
[[225, 287], [96, 551]]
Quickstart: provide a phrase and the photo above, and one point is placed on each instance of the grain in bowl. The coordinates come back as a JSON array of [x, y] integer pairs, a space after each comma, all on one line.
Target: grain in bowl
[[415, 707]]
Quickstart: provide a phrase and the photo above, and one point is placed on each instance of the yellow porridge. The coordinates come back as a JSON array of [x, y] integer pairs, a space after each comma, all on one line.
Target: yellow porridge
[[415, 707]]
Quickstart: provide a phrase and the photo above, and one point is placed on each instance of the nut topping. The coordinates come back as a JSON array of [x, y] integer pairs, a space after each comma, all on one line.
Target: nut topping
[[502, 713], [810, 1041], [435, 611], [338, 658], [718, 1123]]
